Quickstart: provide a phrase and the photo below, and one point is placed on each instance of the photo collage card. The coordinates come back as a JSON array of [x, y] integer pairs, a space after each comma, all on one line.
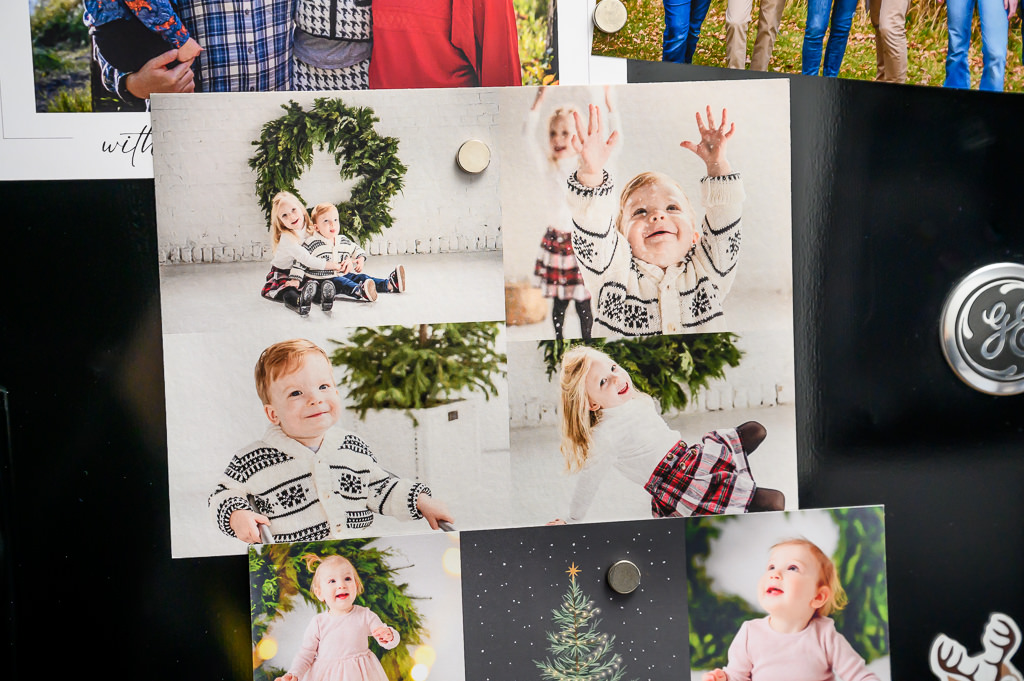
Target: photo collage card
[[344, 243]]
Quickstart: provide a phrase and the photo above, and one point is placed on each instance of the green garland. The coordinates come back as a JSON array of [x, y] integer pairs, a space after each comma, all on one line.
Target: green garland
[[285, 149]]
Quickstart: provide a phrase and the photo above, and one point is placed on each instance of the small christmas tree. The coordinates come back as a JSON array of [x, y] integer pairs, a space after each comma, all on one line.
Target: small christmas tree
[[580, 653]]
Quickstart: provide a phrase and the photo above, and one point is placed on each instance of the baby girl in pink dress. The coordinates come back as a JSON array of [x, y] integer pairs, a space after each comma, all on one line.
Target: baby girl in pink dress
[[335, 646]]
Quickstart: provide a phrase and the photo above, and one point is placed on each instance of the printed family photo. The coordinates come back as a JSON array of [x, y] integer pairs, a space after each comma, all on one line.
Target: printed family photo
[[658, 209], [783, 591], [363, 432], [675, 425], [538, 604], [112, 55], [947, 43], [361, 610], [295, 212]]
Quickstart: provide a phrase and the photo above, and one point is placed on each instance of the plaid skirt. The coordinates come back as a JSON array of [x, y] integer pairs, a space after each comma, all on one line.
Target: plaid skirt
[[276, 279], [556, 271], [702, 479]]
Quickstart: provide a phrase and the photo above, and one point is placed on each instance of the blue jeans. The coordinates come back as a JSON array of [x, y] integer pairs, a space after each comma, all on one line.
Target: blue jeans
[[838, 32], [683, 19], [994, 26], [350, 284]]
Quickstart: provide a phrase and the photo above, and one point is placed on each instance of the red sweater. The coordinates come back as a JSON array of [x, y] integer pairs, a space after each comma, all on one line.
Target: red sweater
[[444, 43]]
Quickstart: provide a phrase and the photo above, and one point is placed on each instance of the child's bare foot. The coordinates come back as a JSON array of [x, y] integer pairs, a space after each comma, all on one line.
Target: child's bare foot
[[396, 280]]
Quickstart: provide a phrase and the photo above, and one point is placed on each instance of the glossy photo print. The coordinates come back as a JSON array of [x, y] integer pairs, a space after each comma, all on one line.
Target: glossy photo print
[[528, 592], [685, 425], [673, 218], [953, 44], [371, 609], [781, 591]]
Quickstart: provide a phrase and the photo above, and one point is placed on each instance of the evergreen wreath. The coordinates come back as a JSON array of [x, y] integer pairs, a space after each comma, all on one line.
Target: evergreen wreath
[[285, 149]]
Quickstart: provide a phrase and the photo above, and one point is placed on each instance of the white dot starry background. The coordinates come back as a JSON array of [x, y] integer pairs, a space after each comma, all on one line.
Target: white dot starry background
[[513, 579]]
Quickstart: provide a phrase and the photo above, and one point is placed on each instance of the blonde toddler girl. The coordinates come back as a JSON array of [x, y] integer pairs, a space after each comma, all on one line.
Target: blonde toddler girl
[[335, 647], [607, 423], [290, 225], [796, 641]]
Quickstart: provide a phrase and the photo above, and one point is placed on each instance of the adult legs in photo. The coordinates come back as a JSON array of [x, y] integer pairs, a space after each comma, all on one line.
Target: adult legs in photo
[[769, 16], [737, 19], [995, 25], [889, 19], [837, 19], [683, 21]]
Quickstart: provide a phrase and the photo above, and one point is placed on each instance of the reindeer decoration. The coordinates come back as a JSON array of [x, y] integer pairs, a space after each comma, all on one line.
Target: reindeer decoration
[[950, 662]]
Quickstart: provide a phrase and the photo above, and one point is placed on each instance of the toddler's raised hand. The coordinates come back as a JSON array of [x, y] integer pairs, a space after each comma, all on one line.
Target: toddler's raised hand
[[384, 635], [711, 147], [714, 675], [245, 524], [592, 147]]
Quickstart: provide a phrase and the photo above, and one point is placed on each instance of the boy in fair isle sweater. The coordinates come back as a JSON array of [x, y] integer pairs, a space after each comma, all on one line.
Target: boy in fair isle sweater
[[310, 480]]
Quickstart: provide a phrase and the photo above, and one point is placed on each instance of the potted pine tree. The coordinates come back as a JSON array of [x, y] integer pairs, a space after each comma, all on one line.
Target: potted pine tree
[[412, 388]]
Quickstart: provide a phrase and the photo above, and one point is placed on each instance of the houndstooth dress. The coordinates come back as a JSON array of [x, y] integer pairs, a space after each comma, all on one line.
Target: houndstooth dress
[[333, 21]]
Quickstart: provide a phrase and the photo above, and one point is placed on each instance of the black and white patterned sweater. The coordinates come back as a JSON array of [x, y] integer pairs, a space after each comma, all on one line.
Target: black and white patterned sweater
[[331, 493], [318, 246], [635, 298]]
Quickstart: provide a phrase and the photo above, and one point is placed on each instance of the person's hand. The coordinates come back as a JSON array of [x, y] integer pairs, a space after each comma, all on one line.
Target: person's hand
[[357, 265], [592, 148], [189, 51], [339, 267], [711, 147], [245, 524], [537, 100], [556, 521], [714, 675], [1010, 6], [154, 76], [384, 635], [287, 677], [434, 511], [291, 282]]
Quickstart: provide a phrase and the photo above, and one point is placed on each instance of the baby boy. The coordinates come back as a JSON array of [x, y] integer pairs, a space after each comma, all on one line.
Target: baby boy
[[310, 480]]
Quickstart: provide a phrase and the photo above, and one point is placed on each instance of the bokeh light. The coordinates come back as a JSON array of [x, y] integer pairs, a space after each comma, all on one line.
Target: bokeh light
[[419, 672], [452, 561], [425, 655], [266, 648]]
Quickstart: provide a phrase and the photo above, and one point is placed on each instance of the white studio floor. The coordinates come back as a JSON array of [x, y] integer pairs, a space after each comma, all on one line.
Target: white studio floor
[[757, 309], [441, 288], [542, 488]]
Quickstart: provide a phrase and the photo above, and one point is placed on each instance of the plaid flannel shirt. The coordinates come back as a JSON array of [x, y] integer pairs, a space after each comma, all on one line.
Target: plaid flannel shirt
[[247, 46]]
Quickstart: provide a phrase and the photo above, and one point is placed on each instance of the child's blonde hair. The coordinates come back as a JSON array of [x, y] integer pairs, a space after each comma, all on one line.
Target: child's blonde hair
[[280, 359], [275, 220], [562, 111], [646, 180], [578, 420], [312, 560], [837, 599], [319, 209]]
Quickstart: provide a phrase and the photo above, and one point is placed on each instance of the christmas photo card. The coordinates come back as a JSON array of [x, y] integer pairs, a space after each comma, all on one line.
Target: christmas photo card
[[929, 43], [380, 609], [780, 591], [674, 217]]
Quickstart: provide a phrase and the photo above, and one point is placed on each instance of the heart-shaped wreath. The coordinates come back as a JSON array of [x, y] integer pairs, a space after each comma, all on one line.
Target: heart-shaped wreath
[[285, 149]]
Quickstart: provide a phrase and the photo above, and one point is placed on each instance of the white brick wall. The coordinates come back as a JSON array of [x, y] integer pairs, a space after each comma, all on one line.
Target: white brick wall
[[205, 191], [763, 378]]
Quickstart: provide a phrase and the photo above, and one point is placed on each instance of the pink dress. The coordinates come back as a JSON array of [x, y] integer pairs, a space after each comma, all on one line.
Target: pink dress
[[336, 648]]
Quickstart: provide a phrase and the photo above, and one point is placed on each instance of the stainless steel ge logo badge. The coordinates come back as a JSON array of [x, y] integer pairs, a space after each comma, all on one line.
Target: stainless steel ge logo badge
[[983, 329]]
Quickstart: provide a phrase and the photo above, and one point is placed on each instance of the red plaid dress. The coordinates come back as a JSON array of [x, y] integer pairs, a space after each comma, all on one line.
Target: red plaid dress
[[702, 479], [556, 271]]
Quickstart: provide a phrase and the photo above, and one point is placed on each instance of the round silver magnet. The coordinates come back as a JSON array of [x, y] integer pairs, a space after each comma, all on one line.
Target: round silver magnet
[[610, 16], [624, 577], [982, 329], [474, 156]]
